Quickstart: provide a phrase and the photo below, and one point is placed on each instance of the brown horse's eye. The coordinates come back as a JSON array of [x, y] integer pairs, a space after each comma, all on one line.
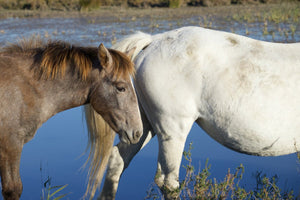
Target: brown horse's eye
[[121, 89]]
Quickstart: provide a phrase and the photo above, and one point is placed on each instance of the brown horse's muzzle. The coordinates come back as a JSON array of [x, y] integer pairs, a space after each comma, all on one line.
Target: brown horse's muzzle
[[132, 129], [131, 137], [129, 127]]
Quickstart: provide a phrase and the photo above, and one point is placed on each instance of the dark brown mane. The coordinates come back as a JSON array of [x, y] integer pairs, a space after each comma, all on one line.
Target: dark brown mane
[[53, 57]]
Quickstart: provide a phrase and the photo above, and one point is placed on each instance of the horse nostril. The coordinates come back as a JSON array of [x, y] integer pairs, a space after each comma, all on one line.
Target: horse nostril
[[137, 135]]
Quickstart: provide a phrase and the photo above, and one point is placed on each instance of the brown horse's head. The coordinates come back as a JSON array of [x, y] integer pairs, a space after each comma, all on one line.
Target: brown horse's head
[[113, 96]]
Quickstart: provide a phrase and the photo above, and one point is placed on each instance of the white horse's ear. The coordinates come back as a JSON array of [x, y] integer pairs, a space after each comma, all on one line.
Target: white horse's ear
[[104, 57], [130, 52]]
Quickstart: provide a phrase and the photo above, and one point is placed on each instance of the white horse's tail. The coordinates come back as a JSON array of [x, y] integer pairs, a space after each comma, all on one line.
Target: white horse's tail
[[138, 40]]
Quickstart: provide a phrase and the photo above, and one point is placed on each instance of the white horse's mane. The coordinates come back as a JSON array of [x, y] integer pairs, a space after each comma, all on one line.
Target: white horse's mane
[[139, 40]]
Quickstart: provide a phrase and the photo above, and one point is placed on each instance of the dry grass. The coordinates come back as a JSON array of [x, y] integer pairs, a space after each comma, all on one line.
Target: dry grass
[[239, 13], [69, 5]]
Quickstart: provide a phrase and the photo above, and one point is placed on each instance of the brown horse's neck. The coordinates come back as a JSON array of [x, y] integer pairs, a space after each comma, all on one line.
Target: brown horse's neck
[[65, 93], [52, 95], [60, 94]]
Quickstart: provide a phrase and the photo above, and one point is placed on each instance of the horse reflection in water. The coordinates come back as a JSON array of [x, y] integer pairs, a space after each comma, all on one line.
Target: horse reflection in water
[[243, 92], [40, 79]]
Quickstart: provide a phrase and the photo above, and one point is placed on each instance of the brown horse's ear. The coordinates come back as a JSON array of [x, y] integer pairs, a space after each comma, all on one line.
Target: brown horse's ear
[[104, 58], [130, 52]]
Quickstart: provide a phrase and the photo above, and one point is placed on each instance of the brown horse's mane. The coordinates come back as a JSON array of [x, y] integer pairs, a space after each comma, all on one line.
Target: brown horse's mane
[[52, 58]]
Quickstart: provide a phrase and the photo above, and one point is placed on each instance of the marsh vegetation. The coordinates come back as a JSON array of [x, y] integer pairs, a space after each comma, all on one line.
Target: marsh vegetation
[[198, 184], [77, 5]]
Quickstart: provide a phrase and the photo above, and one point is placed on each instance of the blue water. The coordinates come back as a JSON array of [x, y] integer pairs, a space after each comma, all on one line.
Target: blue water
[[58, 149]]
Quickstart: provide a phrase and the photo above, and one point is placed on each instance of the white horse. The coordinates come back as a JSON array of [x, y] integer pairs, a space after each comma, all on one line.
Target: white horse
[[243, 92]]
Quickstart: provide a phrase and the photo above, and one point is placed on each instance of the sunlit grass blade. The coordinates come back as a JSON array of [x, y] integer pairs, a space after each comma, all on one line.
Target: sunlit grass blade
[[60, 188]]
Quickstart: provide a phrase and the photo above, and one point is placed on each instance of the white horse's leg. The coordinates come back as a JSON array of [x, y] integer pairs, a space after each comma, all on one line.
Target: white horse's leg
[[171, 145], [119, 160]]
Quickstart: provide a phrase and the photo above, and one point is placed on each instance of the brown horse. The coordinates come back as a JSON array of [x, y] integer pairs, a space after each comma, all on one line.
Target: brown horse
[[40, 79]]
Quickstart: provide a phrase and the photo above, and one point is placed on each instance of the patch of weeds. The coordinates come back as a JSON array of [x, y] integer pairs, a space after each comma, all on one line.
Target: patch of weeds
[[153, 192], [175, 3], [266, 188], [286, 13], [199, 185]]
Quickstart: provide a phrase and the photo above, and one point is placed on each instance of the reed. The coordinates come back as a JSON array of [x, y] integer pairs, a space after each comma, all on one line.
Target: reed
[[50, 192]]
